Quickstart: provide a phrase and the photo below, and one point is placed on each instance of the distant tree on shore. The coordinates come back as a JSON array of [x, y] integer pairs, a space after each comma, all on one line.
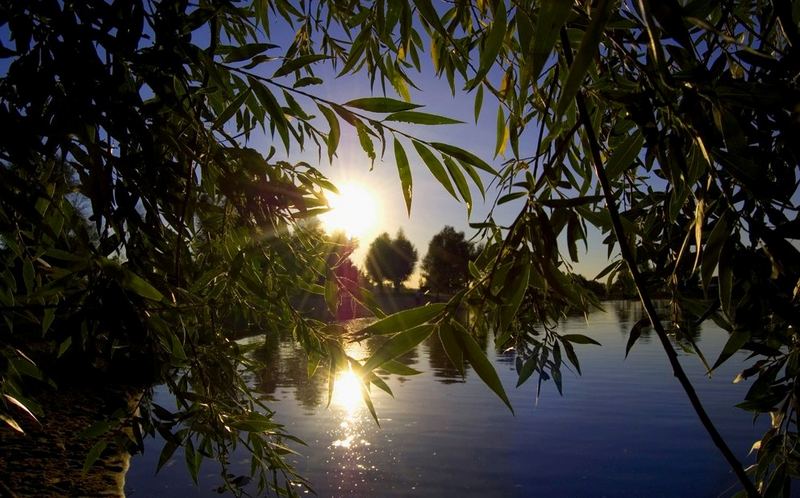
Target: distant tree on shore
[[390, 259], [446, 266]]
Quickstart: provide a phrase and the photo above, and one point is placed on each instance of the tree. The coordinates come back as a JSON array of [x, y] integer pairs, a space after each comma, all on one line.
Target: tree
[[669, 126], [391, 259], [445, 266]]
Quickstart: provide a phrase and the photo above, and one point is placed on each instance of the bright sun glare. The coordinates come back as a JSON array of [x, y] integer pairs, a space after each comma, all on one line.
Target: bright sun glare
[[354, 211]]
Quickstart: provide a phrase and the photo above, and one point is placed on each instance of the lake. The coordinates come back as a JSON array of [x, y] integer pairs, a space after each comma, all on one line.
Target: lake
[[623, 428]]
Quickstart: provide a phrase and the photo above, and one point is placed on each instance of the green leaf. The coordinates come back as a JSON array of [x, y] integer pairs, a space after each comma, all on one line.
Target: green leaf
[[334, 133], [397, 368], [451, 346], [459, 180], [713, 248], [478, 103], [272, 107], [585, 56], [254, 422], [332, 294], [368, 401], [366, 143], [636, 332], [575, 201], [463, 155], [308, 80], [737, 339], [298, 63], [491, 45], [398, 345], [501, 132], [435, 167], [552, 15], [519, 285], [402, 320], [623, 155], [422, 118], [93, 455], [140, 286], [579, 339], [404, 171], [480, 363], [166, 453], [28, 275], [229, 111], [238, 54], [381, 104], [428, 12], [47, 319]]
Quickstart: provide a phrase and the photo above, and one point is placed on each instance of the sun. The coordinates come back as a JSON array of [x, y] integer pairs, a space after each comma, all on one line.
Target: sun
[[354, 211]]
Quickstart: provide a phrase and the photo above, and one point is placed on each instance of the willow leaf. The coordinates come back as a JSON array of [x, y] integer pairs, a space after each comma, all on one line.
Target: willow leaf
[[298, 63], [585, 56], [491, 45], [422, 118], [397, 345], [463, 155], [435, 167], [381, 104], [404, 171]]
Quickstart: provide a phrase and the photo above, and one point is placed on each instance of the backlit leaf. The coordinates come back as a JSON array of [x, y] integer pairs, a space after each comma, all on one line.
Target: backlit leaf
[[404, 171], [480, 363], [435, 167], [402, 320], [422, 118], [381, 104], [398, 345]]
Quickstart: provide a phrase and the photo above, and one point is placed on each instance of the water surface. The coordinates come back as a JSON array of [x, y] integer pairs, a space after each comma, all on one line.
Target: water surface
[[623, 428]]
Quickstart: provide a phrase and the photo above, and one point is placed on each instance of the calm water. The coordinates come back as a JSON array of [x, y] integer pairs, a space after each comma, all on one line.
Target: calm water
[[624, 428]]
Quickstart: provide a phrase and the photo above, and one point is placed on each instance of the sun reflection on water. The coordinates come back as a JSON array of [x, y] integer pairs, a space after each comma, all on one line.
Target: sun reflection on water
[[347, 393]]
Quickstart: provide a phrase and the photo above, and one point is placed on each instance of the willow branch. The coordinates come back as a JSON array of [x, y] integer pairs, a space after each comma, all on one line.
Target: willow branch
[[644, 296]]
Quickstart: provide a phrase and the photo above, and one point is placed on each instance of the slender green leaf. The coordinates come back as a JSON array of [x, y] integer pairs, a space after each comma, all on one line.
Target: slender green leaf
[[293, 65], [404, 171], [492, 44], [397, 345], [451, 346], [334, 133], [422, 118], [478, 103], [463, 155], [307, 81], [397, 368], [480, 363], [229, 111], [93, 455], [238, 54], [552, 15], [402, 320], [459, 180], [381, 104], [435, 167], [623, 155], [140, 286], [737, 339], [585, 56], [636, 332], [501, 132], [579, 339]]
